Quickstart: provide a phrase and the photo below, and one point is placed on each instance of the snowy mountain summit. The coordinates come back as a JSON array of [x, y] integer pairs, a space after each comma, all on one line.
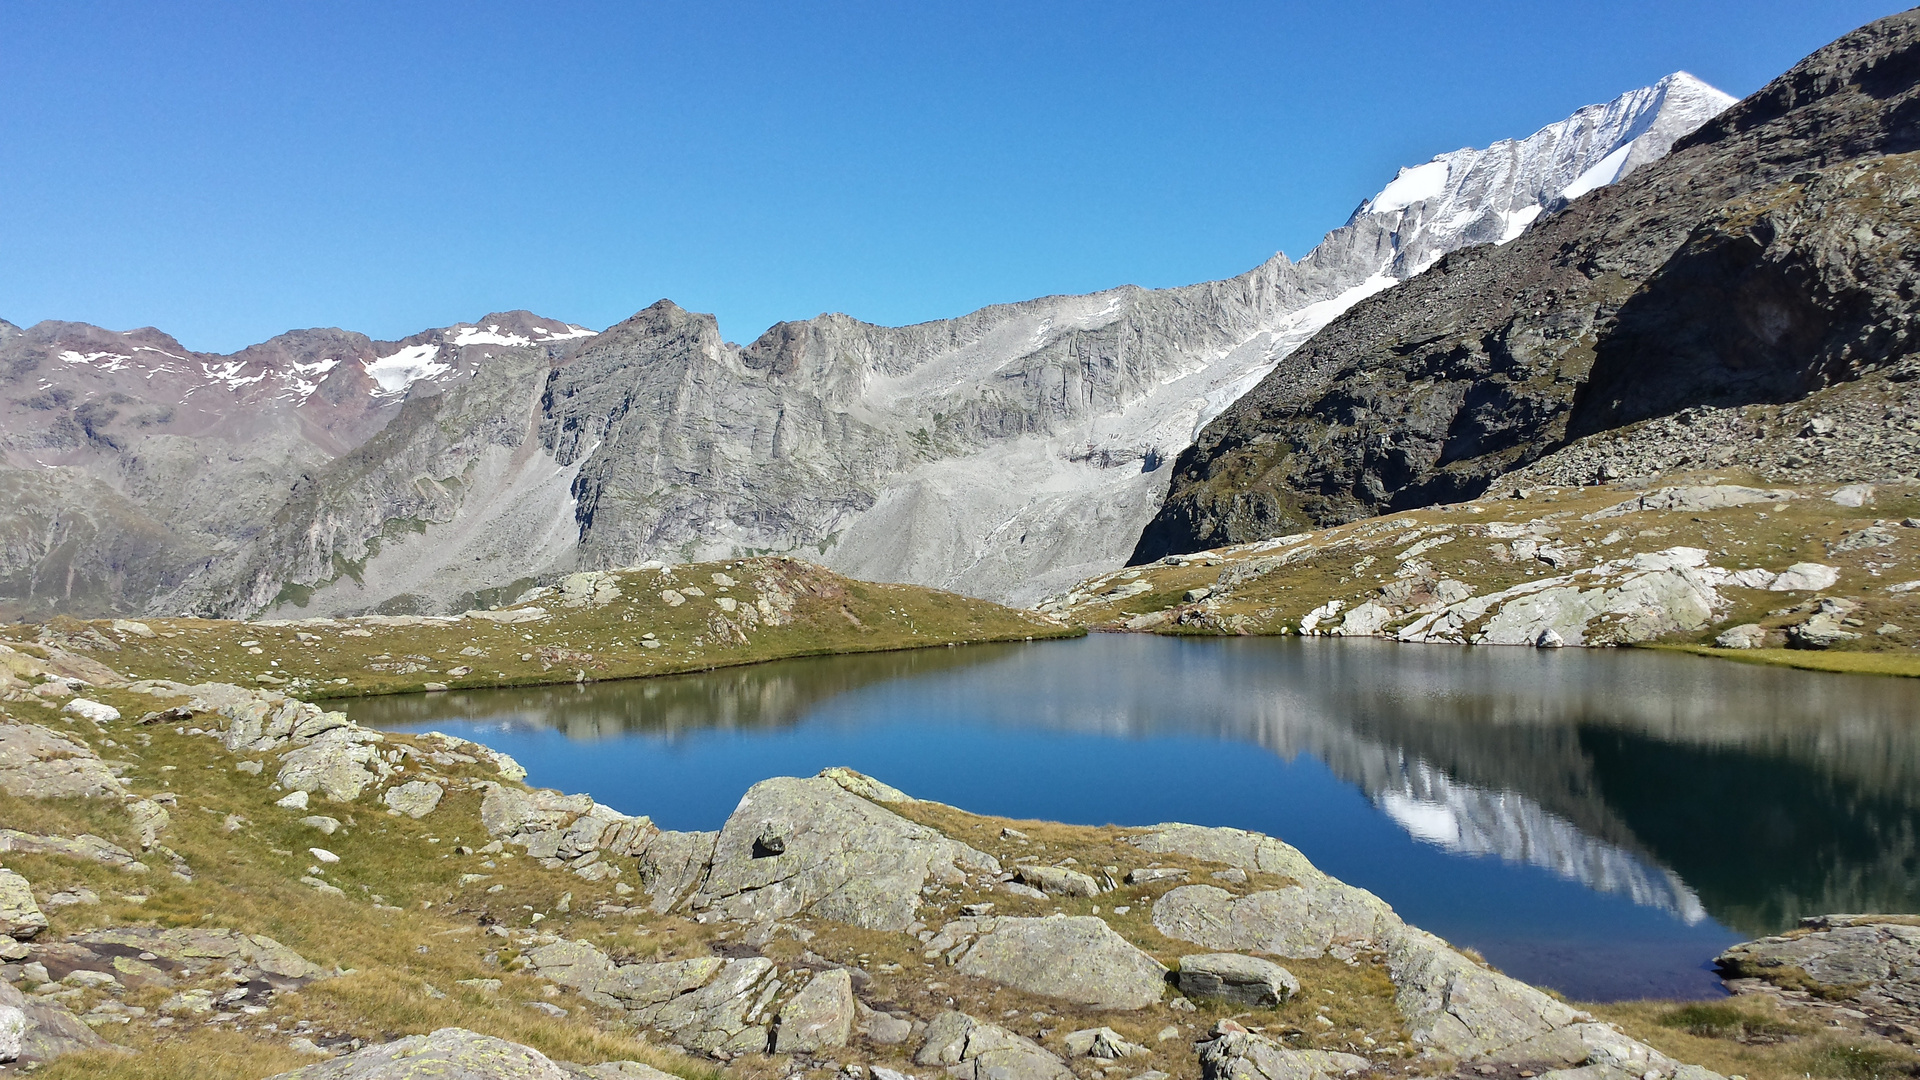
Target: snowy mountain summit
[[1490, 196]]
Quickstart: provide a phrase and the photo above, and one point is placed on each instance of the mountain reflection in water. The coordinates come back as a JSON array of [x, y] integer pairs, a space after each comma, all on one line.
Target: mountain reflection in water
[[1710, 791]]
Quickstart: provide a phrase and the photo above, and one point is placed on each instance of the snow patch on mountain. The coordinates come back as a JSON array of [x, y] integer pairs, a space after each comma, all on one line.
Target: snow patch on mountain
[[404, 368]]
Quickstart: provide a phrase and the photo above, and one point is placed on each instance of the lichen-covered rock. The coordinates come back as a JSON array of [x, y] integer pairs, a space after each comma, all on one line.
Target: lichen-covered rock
[[841, 857], [447, 1054], [819, 1017], [672, 863], [1460, 1008], [36, 763], [732, 1013], [1876, 958], [150, 819], [1299, 921], [20, 917], [338, 764], [415, 798], [1241, 980], [1075, 958], [976, 1050]]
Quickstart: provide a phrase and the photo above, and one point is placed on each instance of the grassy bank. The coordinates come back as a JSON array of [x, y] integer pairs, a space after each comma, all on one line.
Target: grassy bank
[[613, 625]]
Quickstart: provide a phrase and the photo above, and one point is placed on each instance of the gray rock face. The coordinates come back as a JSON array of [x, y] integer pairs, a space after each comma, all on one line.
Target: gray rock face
[[447, 1054], [180, 953], [1241, 980], [1250, 851], [1633, 303], [819, 1017], [1298, 921], [976, 1050], [706, 1003], [1240, 1055], [840, 857], [13, 1032], [20, 916], [1075, 958], [1104, 1043], [85, 846]]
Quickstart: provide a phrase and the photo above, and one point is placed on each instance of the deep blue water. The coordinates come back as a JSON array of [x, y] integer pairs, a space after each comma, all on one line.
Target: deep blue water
[[1602, 822]]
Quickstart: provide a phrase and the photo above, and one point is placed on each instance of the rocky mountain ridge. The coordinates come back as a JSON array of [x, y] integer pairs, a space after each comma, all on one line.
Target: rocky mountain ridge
[[1001, 454]]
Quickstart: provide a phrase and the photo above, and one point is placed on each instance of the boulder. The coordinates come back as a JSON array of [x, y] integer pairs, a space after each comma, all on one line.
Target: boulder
[[1461, 1008], [1299, 921], [839, 857], [415, 798], [1075, 958], [36, 763], [1240, 980], [13, 1032], [819, 1017], [1744, 636], [976, 1050], [338, 764], [707, 1003], [1236, 1054], [1840, 951], [20, 917], [89, 709], [192, 951], [1058, 880], [447, 1054], [85, 846], [672, 863]]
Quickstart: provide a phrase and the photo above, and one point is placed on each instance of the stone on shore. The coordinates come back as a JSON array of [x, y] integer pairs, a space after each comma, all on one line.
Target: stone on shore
[[1074, 958]]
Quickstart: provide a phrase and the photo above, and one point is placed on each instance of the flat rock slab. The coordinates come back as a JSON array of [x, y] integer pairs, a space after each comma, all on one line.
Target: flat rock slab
[[338, 764], [1879, 961], [1239, 1055], [36, 763], [447, 1054], [178, 953], [1074, 958], [811, 845], [1300, 921], [819, 1017]]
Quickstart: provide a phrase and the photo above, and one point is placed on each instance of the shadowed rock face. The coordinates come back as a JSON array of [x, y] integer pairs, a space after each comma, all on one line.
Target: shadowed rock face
[[1761, 261]]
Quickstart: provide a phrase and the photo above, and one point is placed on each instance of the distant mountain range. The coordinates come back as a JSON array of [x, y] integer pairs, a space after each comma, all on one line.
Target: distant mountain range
[[1001, 454]]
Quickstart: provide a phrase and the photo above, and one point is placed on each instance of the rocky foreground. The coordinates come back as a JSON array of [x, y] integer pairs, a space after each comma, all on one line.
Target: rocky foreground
[[195, 868]]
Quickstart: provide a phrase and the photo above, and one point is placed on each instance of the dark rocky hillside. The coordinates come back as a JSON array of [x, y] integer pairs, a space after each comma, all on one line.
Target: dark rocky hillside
[[1768, 259]]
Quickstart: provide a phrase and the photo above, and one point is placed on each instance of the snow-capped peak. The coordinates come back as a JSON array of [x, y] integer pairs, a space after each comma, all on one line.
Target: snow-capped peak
[[1490, 196], [402, 369]]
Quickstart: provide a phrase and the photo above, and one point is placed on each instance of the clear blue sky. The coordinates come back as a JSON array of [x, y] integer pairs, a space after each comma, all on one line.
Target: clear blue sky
[[229, 171]]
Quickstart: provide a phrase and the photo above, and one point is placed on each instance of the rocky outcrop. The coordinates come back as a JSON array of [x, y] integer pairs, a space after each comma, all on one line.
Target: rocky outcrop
[[1298, 921], [812, 845], [1759, 263], [709, 1003], [1859, 973], [818, 1017]]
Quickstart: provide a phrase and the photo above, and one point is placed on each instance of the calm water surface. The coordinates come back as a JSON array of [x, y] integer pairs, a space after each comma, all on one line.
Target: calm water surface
[[1601, 822]]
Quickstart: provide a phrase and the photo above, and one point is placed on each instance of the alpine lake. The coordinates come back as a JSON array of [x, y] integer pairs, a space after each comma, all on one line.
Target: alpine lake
[[1601, 822]]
